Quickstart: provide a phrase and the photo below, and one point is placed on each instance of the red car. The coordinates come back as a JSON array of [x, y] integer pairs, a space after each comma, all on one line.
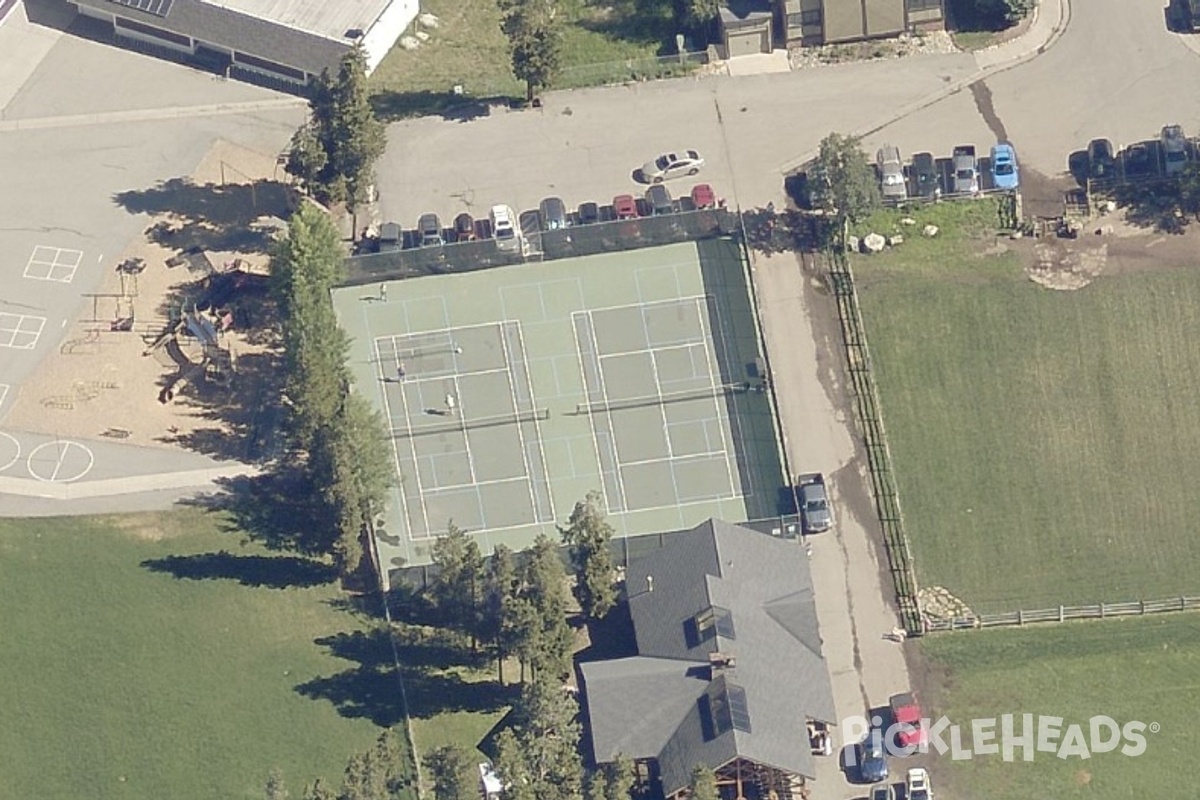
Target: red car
[[625, 207], [906, 714], [703, 196]]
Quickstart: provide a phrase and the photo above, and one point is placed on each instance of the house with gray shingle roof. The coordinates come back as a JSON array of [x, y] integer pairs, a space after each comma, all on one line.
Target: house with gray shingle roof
[[728, 671]]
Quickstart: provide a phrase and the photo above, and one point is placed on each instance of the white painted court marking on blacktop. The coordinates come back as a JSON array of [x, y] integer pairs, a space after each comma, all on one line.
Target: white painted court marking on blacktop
[[4, 387], [16, 448], [20, 331], [75, 458], [53, 264]]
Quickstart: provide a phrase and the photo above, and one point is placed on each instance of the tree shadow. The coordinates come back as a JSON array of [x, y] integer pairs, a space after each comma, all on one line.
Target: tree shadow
[[392, 105], [634, 21], [1158, 206], [279, 509], [371, 689], [275, 572], [210, 216]]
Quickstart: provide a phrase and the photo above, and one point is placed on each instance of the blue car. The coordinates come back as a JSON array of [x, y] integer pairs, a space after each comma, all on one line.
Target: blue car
[[1005, 174]]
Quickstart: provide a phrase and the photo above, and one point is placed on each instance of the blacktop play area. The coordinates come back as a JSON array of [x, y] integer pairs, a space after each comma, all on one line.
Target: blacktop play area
[[510, 393]]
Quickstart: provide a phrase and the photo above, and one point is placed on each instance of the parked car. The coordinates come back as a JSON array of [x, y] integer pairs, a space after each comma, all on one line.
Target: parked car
[[925, 176], [703, 196], [883, 791], [672, 165], [589, 213], [625, 207], [659, 200], [906, 716], [504, 228], [1174, 146], [1005, 174], [554, 214], [813, 500], [916, 787], [429, 231], [1138, 161], [391, 237], [891, 174], [871, 759], [464, 228], [1102, 159], [966, 170]]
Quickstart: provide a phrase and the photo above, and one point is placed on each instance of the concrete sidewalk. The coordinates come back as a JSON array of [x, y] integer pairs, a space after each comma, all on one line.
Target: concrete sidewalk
[[24, 45]]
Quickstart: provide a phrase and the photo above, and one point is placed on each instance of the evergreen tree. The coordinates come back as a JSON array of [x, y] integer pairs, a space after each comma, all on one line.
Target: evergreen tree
[[543, 588], [588, 536], [620, 778], [538, 759], [459, 579], [595, 785], [534, 31], [501, 588], [453, 773], [842, 180], [703, 784], [275, 789]]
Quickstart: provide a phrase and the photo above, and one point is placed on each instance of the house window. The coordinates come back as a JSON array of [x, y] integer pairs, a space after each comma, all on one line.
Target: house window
[[268, 66], [152, 32], [715, 621], [923, 5], [726, 708]]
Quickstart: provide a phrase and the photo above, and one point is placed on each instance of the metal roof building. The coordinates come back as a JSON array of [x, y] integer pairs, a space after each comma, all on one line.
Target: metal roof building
[[728, 670], [284, 42]]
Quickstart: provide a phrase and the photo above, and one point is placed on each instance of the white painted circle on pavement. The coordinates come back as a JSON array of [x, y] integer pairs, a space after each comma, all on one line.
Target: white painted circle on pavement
[[8, 444], [60, 461]]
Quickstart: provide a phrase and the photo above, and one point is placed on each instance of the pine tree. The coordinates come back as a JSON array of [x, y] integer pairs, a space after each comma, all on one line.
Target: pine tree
[[534, 31], [453, 773], [459, 580], [703, 785], [588, 536]]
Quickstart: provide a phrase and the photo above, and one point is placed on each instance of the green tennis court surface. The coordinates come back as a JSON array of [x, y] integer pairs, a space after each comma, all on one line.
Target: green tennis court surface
[[510, 393]]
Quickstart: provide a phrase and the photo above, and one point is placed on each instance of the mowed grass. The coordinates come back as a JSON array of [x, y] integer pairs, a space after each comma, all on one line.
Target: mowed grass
[[124, 682], [1137, 669], [468, 49], [1046, 443]]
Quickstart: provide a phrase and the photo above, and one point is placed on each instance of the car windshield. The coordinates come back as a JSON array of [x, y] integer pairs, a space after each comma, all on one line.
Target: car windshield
[[1004, 168], [966, 174], [504, 233], [1177, 155], [894, 179], [663, 162], [815, 505]]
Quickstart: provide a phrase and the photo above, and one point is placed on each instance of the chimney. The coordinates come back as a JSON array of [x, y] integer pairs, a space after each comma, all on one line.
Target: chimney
[[718, 662], [649, 583]]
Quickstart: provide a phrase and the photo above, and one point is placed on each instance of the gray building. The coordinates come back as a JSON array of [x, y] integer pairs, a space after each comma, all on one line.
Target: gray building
[[816, 22], [728, 671], [278, 42]]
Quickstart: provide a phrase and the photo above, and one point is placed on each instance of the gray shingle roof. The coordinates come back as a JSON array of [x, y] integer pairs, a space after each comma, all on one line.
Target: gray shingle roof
[[227, 28], [650, 705]]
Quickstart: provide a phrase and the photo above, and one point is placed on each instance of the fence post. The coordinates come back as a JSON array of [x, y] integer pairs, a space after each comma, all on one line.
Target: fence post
[[1061, 613], [1142, 604], [1102, 611], [1021, 617]]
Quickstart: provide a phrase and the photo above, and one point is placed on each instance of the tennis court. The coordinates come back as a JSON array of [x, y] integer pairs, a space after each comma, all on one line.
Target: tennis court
[[510, 393]]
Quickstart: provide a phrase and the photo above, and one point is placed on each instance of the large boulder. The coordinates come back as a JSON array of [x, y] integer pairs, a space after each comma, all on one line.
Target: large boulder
[[873, 243]]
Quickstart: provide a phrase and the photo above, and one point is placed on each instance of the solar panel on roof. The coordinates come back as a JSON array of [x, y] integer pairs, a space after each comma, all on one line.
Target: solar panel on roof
[[159, 8]]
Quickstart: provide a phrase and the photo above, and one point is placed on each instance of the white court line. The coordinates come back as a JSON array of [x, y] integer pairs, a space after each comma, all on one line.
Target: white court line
[[462, 419], [672, 301], [689, 456], [679, 346], [24, 325], [512, 392], [662, 407], [612, 432], [537, 427], [46, 261], [416, 476], [4, 387], [454, 486], [712, 377], [587, 397]]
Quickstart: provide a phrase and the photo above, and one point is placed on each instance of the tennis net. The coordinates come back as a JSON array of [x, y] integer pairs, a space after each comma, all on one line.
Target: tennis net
[[720, 390], [446, 423]]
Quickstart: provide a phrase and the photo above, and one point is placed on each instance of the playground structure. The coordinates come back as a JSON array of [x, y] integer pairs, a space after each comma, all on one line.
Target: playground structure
[[193, 340]]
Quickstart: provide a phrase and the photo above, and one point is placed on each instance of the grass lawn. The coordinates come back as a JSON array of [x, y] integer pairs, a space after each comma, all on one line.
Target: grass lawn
[[122, 680], [468, 49], [1144, 669], [1045, 442]]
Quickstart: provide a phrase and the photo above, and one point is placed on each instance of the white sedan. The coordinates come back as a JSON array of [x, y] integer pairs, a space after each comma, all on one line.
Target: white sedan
[[672, 165]]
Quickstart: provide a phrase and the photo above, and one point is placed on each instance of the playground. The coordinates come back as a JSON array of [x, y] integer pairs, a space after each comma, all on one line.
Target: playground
[[510, 393], [158, 344]]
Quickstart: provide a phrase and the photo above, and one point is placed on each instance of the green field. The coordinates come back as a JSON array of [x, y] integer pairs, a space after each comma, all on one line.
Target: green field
[[468, 49], [122, 680], [1045, 442], [1141, 669]]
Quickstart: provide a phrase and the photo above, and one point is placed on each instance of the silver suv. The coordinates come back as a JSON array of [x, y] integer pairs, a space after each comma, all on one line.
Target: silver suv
[[1174, 146], [891, 173]]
